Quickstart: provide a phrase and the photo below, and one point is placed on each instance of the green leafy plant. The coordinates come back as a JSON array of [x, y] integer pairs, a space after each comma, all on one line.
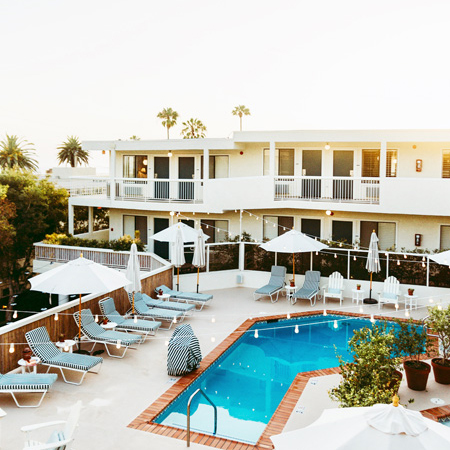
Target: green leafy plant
[[371, 378], [438, 321], [411, 341]]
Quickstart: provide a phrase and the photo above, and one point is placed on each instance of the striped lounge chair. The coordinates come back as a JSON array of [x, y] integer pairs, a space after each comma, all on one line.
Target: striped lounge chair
[[21, 383], [199, 300], [310, 288], [144, 327], [275, 285], [184, 354], [98, 335], [164, 315], [50, 355], [185, 308]]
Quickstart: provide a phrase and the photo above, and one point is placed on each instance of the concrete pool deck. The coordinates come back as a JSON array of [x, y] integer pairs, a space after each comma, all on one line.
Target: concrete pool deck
[[126, 387]]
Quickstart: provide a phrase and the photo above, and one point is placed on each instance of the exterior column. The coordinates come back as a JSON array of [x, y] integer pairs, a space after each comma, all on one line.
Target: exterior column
[[206, 164], [112, 172], [70, 217], [383, 156], [272, 159], [90, 220]]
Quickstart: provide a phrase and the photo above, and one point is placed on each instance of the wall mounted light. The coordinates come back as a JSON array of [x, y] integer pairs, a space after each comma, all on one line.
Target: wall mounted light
[[170, 154], [329, 213], [327, 146], [145, 162], [418, 165], [103, 152]]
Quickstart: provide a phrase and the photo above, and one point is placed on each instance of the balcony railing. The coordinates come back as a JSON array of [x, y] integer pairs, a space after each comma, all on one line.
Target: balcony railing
[[110, 258], [335, 189]]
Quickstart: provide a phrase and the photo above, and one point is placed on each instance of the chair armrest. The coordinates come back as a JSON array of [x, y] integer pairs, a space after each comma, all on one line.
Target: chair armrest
[[50, 446], [37, 426]]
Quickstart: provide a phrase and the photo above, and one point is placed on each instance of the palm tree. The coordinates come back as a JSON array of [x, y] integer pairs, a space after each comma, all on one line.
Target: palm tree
[[194, 129], [240, 111], [71, 152], [169, 117], [14, 154]]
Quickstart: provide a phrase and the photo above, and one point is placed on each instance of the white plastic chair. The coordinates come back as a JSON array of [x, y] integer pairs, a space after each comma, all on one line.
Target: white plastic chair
[[391, 292], [334, 288], [61, 438]]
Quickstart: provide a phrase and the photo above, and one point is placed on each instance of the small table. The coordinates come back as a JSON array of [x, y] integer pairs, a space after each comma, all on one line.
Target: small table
[[163, 297], [69, 343], [109, 325], [290, 290], [357, 295], [26, 366], [410, 299]]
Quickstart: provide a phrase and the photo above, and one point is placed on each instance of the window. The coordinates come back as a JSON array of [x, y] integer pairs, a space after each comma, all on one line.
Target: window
[[342, 231], [135, 166], [384, 230], [284, 161], [446, 164], [371, 163], [391, 163], [217, 230], [311, 227], [276, 226], [445, 238], [218, 166], [135, 226]]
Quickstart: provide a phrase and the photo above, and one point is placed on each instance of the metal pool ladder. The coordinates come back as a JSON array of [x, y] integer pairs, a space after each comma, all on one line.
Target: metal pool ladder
[[188, 437]]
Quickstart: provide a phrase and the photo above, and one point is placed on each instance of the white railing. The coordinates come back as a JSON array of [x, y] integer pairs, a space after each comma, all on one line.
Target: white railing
[[119, 260], [334, 189], [161, 190], [82, 186]]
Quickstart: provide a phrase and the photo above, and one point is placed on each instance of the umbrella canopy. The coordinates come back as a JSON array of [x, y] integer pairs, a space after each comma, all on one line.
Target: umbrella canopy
[[79, 276], [373, 258], [377, 427], [133, 272], [199, 259], [188, 233], [177, 254], [293, 242], [442, 258]]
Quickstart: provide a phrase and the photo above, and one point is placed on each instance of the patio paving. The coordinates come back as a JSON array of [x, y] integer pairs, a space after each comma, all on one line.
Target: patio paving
[[126, 387]]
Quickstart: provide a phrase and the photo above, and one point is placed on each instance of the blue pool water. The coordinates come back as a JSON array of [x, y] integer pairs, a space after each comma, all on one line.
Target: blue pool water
[[249, 380]]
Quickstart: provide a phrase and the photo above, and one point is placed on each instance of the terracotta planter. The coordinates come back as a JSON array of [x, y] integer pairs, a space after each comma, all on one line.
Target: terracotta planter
[[441, 373], [417, 378], [410, 291]]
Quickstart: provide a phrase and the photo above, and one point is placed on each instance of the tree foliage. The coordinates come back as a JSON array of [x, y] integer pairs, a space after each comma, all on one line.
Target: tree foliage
[[370, 378], [72, 152], [193, 129], [15, 154], [240, 111], [36, 208], [438, 321], [169, 118]]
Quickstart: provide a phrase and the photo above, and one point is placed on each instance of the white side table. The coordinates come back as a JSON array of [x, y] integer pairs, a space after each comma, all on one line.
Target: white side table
[[68, 343], [290, 290], [357, 295], [411, 299], [109, 325], [26, 366], [163, 297]]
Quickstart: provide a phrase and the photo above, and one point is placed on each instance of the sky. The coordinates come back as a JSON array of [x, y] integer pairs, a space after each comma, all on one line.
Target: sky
[[104, 69]]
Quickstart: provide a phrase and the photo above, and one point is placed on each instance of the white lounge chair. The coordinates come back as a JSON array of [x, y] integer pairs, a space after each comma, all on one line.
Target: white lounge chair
[[391, 292], [310, 288], [275, 285], [60, 438], [334, 288]]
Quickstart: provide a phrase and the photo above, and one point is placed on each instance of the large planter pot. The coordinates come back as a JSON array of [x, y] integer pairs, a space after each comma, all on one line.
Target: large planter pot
[[415, 377], [441, 373]]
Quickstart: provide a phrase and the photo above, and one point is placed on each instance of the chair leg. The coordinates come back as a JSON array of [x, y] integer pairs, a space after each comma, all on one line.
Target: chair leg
[[72, 382], [28, 406], [114, 356]]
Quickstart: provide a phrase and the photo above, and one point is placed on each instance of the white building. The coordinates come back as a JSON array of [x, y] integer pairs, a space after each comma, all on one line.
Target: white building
[[394, 181]]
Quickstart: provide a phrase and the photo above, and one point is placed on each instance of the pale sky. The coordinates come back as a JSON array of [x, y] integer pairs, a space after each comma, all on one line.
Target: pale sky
[[104, 69]]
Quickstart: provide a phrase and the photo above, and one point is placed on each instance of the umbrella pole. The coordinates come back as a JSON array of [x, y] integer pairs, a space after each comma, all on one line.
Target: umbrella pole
[[293, 267], [133, 303], [198, 277], [369, 300], [178, 278], [79, 321], [370, 293]]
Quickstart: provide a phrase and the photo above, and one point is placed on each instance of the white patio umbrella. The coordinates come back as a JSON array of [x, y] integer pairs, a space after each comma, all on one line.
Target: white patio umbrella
[[199, 259], [372, 264], [79, 276], [293, 242], [377, 427], [183, 233], [442, 258], [133, 273]]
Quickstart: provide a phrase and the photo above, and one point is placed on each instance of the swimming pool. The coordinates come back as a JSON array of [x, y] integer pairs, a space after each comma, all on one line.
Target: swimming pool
[[249, 380]]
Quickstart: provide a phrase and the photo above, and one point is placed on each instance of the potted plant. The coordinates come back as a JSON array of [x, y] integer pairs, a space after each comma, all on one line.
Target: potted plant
[[358, 287], [438, 322], [292, 283], [373, 376], [410, 342], [410, 291]]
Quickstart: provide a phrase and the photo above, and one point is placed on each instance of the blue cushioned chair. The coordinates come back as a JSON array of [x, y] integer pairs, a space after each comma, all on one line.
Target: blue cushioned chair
[[275, 285], [310, 288], [199, 300], [185, 308]]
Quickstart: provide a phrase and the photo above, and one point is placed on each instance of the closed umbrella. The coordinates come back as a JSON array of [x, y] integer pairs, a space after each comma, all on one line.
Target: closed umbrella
[[293, 242], [79, 276], [377, 427], [199, 259], [171, 234], [133, 273], [372, 264]]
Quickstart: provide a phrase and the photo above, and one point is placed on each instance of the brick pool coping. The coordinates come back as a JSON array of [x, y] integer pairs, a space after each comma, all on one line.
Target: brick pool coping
[[144, 422]]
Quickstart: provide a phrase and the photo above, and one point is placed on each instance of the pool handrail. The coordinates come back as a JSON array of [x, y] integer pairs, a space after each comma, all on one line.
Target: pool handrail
[[188, 435]]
